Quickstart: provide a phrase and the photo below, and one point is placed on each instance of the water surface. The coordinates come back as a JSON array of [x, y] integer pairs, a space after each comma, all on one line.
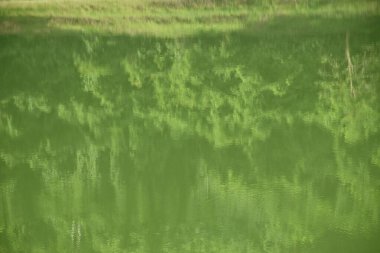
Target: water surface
[[211, 143]]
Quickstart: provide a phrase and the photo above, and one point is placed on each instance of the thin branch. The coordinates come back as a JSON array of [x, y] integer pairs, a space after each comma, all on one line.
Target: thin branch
[[350, 67]]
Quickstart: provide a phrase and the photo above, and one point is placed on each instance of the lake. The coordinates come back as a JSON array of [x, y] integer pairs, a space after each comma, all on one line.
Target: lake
[[214, 142]]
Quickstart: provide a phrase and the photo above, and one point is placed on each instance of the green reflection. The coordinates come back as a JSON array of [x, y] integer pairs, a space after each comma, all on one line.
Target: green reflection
[[213, 143]]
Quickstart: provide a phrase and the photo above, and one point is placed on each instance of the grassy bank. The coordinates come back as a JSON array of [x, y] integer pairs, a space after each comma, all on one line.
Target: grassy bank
[[167, 17]]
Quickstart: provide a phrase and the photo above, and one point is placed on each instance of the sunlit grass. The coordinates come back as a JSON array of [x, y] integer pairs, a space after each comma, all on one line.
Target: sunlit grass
[[162, 17]]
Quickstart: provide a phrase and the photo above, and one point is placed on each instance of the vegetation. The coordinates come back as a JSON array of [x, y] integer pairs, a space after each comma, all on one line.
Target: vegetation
[[165, 17]]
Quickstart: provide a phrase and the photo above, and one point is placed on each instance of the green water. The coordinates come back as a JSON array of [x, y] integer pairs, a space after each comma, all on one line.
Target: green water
[[211, 143]]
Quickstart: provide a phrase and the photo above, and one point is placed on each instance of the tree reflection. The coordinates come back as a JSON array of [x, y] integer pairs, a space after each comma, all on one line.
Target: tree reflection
[[209, 144]]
